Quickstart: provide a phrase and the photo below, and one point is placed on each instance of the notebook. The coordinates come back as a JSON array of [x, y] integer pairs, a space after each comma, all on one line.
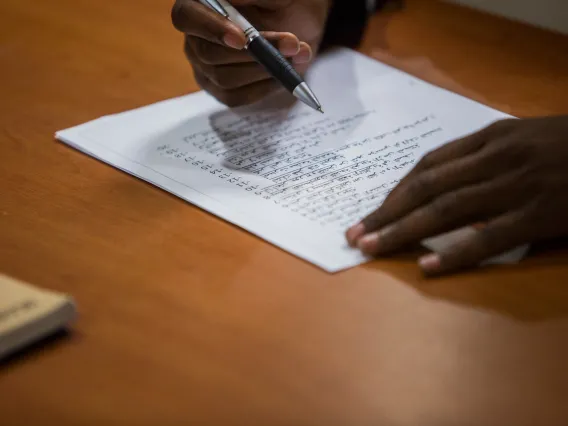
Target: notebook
[[28, 314]]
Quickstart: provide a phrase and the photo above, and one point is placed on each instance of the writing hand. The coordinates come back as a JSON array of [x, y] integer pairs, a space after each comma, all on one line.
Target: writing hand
[[511, 176], [214, 46]]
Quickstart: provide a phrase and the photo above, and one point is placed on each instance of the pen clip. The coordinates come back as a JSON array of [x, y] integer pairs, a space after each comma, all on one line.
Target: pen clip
[[215, 5]]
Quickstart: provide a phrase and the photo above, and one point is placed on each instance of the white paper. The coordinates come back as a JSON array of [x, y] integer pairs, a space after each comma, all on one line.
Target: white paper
[[290, 175], [441, 243]]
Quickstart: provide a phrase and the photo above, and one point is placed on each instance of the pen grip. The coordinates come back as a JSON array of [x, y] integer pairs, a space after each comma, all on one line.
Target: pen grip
[[273, 61]]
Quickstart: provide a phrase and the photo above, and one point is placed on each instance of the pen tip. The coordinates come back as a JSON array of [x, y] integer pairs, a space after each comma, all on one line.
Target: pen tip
[[320, 110]]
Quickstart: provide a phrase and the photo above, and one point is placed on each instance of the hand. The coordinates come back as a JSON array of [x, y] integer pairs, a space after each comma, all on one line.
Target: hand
[[214, 45], [511, 176]]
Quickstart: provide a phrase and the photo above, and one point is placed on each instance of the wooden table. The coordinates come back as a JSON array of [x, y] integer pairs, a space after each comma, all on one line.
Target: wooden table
[[186, 320]]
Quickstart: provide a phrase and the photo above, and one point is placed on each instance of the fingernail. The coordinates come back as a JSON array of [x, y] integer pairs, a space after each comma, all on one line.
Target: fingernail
[[303, 56], [369, 243], [289, 46], [233, 41], [354, 233], [430, 263]]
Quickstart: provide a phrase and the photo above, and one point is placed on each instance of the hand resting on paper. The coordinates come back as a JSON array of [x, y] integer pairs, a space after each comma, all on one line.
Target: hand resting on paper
[[215, 46], [511, 176]]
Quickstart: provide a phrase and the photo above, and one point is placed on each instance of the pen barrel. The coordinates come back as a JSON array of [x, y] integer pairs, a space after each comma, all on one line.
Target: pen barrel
[[273, 61]]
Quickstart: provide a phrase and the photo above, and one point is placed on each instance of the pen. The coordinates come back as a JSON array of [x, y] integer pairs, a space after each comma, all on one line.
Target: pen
[[267, 55]]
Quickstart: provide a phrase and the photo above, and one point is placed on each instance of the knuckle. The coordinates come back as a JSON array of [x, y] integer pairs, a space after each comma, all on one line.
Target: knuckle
[[223, 79], [259, 91], [531, 212], [501, 124], [177, 15], [225, 97], [188, 50], [444, 206], [495, 131], [426, 161], [373, 221], [212, 73], [522, 152], [229, 97], [421, 186], [202, 81], [210, 87], [508, 122], [232, 99], [486, 238], [533, 182], [537, 213], [220, 77], [206, 52]]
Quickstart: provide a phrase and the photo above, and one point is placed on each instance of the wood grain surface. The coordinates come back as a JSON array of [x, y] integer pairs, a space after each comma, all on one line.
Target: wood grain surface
[[187, 320]]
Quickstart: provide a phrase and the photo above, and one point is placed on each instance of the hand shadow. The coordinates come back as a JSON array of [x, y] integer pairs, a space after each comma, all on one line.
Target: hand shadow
[[231, 137], [198, 120], [338, 89], [534, 290]]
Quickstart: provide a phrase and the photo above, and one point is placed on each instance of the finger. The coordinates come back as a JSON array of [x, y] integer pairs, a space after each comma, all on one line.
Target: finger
[[214, 54], [464, 146], [240, 74], [240, 96], [287, 43], [452, 151], [227, 77], [419, 188], [193, 18], [447, 212], [499, 235], [424, 186]]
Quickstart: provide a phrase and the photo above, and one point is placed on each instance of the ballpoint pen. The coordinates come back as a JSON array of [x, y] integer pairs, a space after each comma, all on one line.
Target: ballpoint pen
[[267, 55]]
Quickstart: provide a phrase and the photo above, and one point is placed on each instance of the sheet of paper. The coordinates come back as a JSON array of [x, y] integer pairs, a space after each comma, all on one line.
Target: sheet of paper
[[443, 242], [290, 175]]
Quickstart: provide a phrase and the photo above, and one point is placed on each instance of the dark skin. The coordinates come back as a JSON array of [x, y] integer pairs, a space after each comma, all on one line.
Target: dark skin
[[511, 176], [215, 46]]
